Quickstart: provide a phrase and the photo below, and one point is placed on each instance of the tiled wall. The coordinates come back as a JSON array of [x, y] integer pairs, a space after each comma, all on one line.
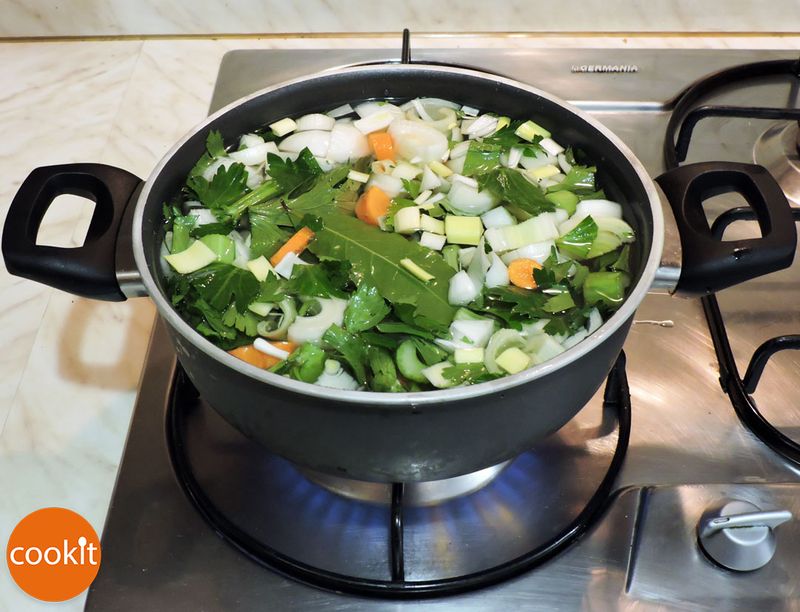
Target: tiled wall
[[31, 18]]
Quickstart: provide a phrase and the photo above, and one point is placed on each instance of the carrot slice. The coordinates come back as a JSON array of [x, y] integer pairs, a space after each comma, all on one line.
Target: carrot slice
[[253, 356], [382, 145], [296, 244], [520, 273], [372, 205]]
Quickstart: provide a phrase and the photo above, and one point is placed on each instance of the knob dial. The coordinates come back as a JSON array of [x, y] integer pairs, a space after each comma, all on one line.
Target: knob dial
[[739, 535]]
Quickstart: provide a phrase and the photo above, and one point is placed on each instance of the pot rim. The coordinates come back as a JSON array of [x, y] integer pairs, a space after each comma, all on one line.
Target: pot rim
[[417, 398]]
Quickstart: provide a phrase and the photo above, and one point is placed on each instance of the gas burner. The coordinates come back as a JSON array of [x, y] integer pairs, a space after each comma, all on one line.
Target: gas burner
[[415, 493], [777, 150], [518, 514]]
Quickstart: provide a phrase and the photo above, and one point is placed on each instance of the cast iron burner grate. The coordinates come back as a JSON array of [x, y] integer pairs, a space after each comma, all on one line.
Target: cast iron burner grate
[[685, 116], [185, 408]]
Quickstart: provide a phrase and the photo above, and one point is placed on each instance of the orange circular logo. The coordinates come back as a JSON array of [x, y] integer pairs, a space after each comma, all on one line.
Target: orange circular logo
[[53, 554]]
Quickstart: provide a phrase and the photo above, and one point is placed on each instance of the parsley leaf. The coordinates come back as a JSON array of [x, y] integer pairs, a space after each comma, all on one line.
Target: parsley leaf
[[414, 188], [219, 284], [212, 228], [266, 235], [511, 186], [215, 147], [482, 157], [227, 186], [327, 279], [289, 174], [365, 309], [350, 348]]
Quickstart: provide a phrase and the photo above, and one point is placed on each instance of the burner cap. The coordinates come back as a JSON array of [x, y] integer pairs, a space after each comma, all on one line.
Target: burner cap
[[776, 150]]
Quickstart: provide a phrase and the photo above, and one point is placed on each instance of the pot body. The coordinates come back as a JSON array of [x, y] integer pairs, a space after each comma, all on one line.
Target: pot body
[[386, 437], [407, 442], [422, 436]]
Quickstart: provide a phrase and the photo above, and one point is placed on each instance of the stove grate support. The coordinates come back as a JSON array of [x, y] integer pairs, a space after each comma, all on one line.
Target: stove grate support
[[684, 118]]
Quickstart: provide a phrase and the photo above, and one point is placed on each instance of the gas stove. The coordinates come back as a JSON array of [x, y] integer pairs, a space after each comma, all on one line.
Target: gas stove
[[608, 513]]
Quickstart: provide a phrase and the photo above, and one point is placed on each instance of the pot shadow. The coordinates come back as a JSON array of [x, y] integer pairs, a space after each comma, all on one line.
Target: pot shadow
[[87, 317]]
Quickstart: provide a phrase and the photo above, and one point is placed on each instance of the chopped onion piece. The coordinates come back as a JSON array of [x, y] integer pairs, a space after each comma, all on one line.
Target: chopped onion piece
[[316, 141], [460, 150], [340, 111], [390, 185], [414, 139], [514, 157], [250, 140], [456, 135], [203, 216], [251, 156], [366, 109], [269, 349], [404, 170], [429, 179], [541, 159], [480, 125], [423, 197], [374, 122], [595, 321], [471, 182], [286, 264], [497, 274], [436, 197], [474, 333], [423, 114], [470, 111], [563, 163], [497, 217], [209, 172], [462, 290], [599, 208], [432, 241], [315, 121], [347, 143], [551, 146]]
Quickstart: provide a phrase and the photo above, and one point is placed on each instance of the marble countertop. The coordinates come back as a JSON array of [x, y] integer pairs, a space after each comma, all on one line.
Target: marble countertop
[[70, 366]]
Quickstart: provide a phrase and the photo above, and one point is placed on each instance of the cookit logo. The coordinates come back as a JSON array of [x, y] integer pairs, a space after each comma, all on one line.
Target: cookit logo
[[53, 554]]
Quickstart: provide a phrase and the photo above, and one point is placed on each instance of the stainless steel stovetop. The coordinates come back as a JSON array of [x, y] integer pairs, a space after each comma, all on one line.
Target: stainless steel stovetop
[[687, 447]]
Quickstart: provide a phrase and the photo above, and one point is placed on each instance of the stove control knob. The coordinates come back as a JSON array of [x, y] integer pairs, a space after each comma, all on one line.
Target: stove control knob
[[739, 535]]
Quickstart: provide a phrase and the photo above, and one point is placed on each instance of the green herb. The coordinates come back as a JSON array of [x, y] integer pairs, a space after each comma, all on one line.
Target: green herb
[[413, 188], [246, 323], [429, 352], [559, 303], [305, 363], [215, 147], [227, 186], [392, 327], [577, 243], [482, 157], [212, 228], [181, 231], [376, 255], [288, 174], [511, 186], [606, 288], [468, 373], [350, 348], [326, 279], [580, 179], [365, 309], [384, 374], [387, 341], [219, 284], [266, 235]]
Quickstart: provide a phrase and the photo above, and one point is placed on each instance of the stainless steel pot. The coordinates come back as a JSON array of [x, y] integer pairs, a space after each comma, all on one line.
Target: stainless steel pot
[[411, 436]]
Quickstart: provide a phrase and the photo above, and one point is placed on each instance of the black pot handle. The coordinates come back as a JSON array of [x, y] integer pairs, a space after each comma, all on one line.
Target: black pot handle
[[88, 270], [709, 264]]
